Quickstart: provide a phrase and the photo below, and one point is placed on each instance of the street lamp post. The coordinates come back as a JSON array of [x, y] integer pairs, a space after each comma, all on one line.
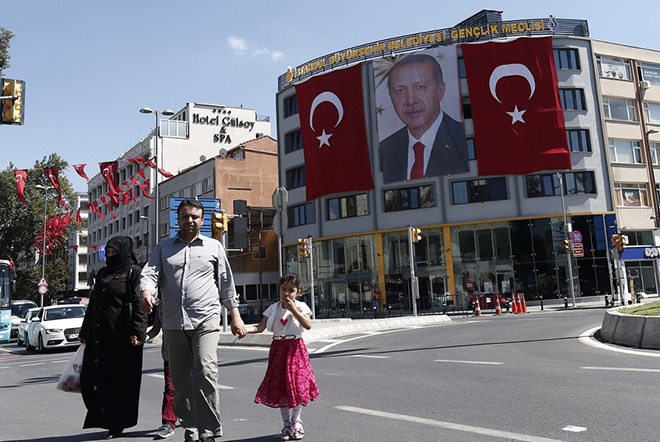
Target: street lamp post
[[166, 112], [571, 287], [43, 251]]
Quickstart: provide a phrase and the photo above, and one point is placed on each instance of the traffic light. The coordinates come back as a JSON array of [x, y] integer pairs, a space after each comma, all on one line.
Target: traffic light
[[567, 245], [416, 234], [617, 241], [12, 108], [303, 247], [219, 224]]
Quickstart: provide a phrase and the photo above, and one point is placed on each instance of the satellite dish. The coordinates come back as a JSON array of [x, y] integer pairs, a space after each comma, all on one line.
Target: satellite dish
[[202, 158], [223, 153]]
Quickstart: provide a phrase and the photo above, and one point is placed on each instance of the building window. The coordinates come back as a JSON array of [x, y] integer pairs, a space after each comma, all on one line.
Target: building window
[[579, 183], [625, 151], [572, 99], [295, 177], [655, 150], [164, 202], [293, 141], [173, 128], [567, 59], [290, 106], [467, 108], [479, 191], [650, 73], [578, 140], [111, 225], [348, 206], [130, 219], [123, 223], [619, 109], [408, 198], [301, 214], [471, 150], [208, 184], [542, 185], [631, 195], [652, 113], [164, 228], [616, 68], [461, 68], [197, 189]]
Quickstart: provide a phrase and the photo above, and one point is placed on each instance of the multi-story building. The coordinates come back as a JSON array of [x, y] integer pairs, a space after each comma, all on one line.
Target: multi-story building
[[485, 234], [192, 135], [77, 252], [629, 86]]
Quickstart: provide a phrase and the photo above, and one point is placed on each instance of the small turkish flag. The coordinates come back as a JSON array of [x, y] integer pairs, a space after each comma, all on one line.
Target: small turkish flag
[[518, 119], [109, 172], [334, 136], [21, 176], [80, 169], [53, 174]]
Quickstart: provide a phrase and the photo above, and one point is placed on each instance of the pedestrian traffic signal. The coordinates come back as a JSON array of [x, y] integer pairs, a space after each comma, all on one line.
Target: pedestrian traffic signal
[[617, 241], [219, 224], [12, 104], [303, 247], [567, 245]]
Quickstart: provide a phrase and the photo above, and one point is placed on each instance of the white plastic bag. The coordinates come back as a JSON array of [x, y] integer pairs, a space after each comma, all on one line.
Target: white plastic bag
[[70, 379]]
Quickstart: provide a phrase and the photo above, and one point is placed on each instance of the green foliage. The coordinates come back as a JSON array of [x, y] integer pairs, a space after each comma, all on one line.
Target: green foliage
[[20, 224], [5, 38], [649, 309]]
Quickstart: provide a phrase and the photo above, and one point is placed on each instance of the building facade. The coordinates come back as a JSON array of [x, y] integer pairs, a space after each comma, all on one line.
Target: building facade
[[192, 135], [483, 234], [77, 252]]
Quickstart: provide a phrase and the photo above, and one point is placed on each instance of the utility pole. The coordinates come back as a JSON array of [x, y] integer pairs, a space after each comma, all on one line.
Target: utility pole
[[413, 237], [569, 253]]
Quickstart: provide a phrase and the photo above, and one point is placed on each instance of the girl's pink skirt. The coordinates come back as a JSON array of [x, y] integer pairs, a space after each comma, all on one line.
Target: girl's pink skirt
[[289, 380]]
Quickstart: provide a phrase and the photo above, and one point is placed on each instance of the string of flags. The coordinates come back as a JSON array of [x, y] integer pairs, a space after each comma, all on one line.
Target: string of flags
[[55, 225]]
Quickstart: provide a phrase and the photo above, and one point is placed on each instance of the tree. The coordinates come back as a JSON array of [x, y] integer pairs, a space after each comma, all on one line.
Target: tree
[[20, 224], [5, 39]]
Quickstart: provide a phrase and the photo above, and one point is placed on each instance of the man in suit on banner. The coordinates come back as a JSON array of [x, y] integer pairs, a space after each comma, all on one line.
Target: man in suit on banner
[[432, 143]]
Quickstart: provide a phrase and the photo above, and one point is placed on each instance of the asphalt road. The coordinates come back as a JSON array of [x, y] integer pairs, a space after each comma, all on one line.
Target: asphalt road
[[511, 378]]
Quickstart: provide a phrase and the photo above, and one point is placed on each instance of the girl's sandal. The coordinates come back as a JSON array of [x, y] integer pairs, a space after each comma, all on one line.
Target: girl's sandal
[[298, 430], [286, 433]]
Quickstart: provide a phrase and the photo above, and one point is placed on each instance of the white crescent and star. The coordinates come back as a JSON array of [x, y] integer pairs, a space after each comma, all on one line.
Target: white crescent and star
[[512, 70], [333, 99]]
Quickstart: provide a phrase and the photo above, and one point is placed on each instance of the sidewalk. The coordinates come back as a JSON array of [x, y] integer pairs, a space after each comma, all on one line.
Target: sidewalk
[[333, 328]]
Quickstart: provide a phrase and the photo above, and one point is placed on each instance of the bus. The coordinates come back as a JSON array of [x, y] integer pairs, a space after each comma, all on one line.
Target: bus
[[5, 300]]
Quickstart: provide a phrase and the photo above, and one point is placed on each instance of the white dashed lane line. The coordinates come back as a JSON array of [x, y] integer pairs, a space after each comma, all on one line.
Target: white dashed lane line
[[642, 370], [162, 377], [454, 361]]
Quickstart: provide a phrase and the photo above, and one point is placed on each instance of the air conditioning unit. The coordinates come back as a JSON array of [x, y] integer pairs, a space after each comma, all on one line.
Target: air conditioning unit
[[644, 84]]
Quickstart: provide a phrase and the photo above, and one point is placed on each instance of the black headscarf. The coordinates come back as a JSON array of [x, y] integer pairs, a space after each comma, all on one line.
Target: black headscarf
[[125, 257]]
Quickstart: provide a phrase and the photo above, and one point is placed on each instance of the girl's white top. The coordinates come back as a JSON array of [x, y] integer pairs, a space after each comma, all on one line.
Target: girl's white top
[[282, 322]]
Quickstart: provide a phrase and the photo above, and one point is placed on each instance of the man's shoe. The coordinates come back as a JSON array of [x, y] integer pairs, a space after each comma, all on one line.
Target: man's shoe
[[208, 439], [164, 432], [112, 434]]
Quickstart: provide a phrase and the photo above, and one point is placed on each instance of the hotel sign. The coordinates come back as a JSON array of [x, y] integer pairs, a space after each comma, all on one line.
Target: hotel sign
[[639, 253], [446, 36]]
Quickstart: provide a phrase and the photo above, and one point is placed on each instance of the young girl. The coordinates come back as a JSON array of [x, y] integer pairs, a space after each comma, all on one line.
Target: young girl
[[289, 381]]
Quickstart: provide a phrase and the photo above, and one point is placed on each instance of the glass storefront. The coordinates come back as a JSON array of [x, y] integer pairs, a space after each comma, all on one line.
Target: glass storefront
[[520, 256]]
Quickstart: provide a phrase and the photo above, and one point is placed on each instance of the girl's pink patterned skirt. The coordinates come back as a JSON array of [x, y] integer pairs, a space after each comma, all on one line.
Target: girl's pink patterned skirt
[[289, 380]]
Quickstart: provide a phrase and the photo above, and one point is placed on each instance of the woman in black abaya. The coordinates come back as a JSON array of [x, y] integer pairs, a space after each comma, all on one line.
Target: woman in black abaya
[[114, 331]]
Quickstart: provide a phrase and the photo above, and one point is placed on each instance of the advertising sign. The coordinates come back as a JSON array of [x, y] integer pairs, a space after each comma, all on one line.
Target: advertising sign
[[210, 205], [578, 250]]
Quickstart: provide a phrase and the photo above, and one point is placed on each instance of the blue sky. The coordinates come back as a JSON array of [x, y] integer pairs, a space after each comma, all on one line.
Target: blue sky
[[91, 65]]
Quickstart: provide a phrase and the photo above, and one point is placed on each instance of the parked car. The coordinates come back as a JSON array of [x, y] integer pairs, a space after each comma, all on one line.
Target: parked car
[[18, 309], [22, 327], [55, 326]]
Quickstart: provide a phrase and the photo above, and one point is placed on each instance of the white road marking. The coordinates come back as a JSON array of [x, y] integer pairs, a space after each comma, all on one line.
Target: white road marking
[[239, 347], [327, 340], [469, 362], [162, 376], [60, 361], [645, 370], [30, 365], [574, 429], [370, 356], [587, 338], [449, 425], [4, 367]]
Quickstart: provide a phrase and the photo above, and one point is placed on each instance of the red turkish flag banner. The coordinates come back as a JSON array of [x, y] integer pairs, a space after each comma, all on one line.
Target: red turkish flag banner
[[80, 170], [334, 136], [21, 176], [518, 119], [109, 172], [53, 174]]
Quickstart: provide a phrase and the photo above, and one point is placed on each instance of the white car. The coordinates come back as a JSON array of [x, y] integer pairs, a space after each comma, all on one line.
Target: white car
[[55, 326], [18, 309], [25, 321]]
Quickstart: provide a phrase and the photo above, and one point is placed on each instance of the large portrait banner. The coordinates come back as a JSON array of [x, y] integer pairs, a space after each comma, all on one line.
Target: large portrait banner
[[420, 115]]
